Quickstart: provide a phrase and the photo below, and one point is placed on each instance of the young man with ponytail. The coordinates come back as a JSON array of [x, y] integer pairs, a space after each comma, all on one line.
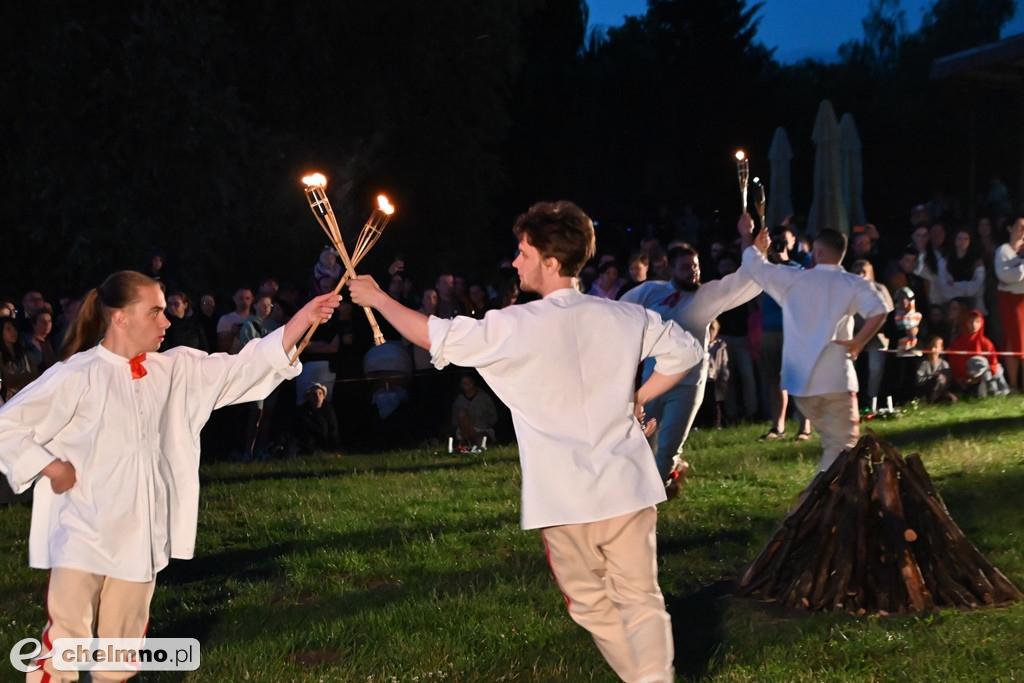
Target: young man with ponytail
[[112, 435]]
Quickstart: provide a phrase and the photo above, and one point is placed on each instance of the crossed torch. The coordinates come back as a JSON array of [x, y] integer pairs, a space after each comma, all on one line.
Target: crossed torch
[[368, 236], [743, 176]]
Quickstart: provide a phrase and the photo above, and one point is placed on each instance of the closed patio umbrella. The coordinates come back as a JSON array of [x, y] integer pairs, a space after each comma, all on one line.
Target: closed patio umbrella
[[780, 192], [827, 208], [850, 163]]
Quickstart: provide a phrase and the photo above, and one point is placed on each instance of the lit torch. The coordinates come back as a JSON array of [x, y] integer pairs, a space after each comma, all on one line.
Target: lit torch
[[371, 232], [743, 175], [760, 199]]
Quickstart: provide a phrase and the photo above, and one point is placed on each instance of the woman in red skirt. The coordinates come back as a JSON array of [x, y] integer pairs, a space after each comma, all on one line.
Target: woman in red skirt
[[1009, 267]]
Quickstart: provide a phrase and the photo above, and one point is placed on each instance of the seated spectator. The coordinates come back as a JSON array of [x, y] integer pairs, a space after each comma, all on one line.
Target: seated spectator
[[863, 241], [956, 316], [506, 288], [314, 425], [206, 315], [962, 274], [17, 368], [327, 266], [31, 303], [473, 413], [974, 366], [185, 329], [587, 277], [906, 323], [388, 367], [324, 344], [69, 308], [934, 378], [156, 268], [461, 292], [37, 342], [269, 286], [902, 328], [257, 325], [448, 303], [478, 303], [906, 276], [659, 269], [608, 283], [229, 324], [638, 265]]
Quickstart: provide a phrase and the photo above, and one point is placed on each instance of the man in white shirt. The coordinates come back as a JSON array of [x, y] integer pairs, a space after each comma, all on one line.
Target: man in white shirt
[[565, 365], [229, 324], [693, 305], [819, 347], [112, 436]]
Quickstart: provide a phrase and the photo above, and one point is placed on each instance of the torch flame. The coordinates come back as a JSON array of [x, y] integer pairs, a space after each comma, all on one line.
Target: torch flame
[[385, 205], [315, 180], [740, 155]]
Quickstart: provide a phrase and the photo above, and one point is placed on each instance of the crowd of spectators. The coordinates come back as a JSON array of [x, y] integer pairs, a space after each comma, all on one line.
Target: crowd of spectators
[[956, 330]]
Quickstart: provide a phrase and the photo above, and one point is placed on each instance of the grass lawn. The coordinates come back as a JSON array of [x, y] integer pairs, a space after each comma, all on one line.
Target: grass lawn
[[410, 566]]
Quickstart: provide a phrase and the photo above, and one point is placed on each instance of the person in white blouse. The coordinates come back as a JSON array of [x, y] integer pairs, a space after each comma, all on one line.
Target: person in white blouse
[[111, 436], [565, 365], [819, 347], [1009, 269], [962, 273]]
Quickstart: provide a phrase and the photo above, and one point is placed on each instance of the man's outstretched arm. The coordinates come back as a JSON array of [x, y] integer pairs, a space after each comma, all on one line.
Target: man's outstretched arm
[[412, 325]]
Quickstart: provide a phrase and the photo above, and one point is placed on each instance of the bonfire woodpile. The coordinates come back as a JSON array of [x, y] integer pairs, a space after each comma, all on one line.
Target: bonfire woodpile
[[872, 535]]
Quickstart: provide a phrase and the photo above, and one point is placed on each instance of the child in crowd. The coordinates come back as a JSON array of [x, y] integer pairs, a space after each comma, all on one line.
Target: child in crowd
[[902, 327], [327, 267], [933, 375], [975, 367], [907, 320]]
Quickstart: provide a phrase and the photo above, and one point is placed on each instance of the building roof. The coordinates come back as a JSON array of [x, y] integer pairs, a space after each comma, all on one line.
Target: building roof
[[997, 65]]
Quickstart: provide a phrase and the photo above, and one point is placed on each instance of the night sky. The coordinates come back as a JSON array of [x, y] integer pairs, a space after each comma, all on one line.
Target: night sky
[[798, 29]]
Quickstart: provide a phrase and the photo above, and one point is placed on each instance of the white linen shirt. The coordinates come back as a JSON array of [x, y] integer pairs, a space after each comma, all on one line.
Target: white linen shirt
[[694, 311], [135, 448], [565, 366], [818, 306], [1009, 270]]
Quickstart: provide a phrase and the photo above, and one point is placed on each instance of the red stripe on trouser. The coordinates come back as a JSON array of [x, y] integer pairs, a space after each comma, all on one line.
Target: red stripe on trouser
[[46, 631], [46, 635], [551, 566]]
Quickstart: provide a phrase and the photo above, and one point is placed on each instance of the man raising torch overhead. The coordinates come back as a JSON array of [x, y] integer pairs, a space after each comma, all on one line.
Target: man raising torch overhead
[[566, 367]]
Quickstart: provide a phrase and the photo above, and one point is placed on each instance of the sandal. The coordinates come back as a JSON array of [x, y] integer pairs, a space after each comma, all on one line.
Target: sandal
[[772, 434], [803, 436]]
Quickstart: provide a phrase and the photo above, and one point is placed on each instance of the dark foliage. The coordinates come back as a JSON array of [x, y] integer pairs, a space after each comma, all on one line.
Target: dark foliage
[[186, 125]]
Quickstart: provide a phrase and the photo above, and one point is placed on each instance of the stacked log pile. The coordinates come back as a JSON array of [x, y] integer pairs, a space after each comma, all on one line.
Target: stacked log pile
[[872, 535]]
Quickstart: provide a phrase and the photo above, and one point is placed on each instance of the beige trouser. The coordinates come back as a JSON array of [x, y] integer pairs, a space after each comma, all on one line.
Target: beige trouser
[[84, 605], [608, 572], [835, 418]]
